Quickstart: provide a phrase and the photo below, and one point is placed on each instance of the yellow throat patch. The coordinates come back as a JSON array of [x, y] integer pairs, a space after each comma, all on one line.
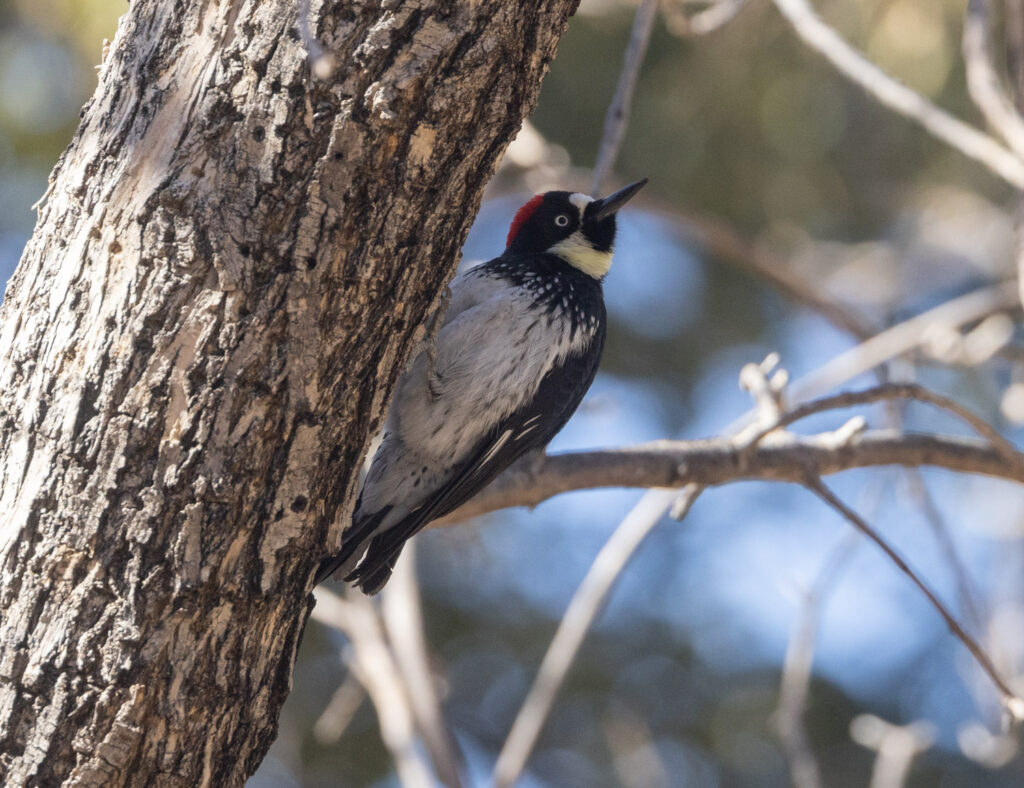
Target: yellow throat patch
[[577, 251]]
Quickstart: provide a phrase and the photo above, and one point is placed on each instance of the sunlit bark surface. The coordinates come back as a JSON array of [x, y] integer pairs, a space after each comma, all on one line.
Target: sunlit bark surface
[[233, 263]]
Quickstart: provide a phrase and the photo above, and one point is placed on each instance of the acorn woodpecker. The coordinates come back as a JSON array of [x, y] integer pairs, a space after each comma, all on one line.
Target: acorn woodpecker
[[518, 349]]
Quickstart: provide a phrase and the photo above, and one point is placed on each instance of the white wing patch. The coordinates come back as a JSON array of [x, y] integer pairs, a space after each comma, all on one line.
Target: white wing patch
[[496, 447], [529, 426]]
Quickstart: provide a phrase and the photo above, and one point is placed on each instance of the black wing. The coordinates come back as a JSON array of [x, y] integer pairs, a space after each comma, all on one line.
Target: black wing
[[530, 427]]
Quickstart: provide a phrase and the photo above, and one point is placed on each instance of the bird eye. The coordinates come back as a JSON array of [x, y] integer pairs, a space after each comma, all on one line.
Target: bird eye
[[562, 220]]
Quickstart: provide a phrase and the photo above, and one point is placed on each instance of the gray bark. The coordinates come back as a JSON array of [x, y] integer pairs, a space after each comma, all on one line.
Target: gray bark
[[233, 264]]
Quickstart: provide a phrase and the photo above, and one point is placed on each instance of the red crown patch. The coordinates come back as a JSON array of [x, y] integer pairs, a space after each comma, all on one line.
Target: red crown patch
[[522, 216]]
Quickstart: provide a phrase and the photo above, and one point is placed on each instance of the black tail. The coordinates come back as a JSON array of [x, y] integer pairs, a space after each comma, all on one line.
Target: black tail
[[375, 569], [352, 540], [382, 549], [491, 456]]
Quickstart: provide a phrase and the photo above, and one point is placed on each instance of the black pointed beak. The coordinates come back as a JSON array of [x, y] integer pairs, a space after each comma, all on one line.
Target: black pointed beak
[[606, 206]]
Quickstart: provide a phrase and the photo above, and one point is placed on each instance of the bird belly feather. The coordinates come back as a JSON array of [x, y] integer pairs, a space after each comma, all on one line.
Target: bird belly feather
[[477, 384], [477, 381]]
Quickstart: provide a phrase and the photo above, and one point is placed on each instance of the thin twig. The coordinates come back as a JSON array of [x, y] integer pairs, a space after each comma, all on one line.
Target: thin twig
[[804, 771], [889, 391], [796, 671], [796, 668], [583, 609], [766, 383], [892, 343], [933, 516], [1014, 705], [921, 494], [984, 83], [617, 117], [961, 136]]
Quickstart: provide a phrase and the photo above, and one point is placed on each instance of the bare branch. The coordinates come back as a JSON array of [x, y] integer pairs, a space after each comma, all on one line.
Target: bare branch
[[933, 516], [718, 15], [904, 337], [898, 97], [377, 671], [984, 83], [894, 342], [649, 510], [720, 461], [896, 746], [578, 618], [402, 615], [1014, 705], [889, 391], [617, 116], [673, 471]]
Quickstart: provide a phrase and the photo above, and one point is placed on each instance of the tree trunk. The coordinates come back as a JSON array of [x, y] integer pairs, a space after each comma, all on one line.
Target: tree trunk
[[234, 262]]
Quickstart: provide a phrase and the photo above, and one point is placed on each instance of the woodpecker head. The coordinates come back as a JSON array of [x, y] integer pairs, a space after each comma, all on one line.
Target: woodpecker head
[[573, 226]]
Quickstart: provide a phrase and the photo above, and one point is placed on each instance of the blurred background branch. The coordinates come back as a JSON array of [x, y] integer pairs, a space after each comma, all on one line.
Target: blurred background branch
[[718, 14], [374, 665], [617, 117], [579, 617], [1014, 705], [402, 617], [896, 745], [795, 685], [984, 82], [898, 97]]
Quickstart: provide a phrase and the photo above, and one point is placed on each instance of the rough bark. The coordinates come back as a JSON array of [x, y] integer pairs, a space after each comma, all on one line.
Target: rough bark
[[233, 264]]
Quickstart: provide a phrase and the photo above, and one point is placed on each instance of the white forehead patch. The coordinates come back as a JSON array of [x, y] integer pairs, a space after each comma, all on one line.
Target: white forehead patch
[[581, 201]]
